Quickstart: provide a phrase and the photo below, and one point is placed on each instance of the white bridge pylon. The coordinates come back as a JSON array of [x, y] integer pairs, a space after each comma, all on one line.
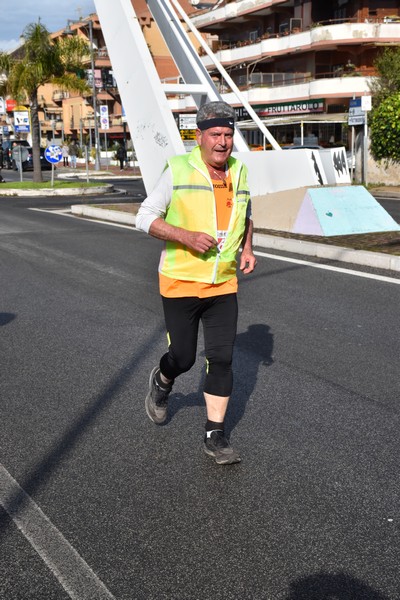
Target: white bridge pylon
[[151, 122]]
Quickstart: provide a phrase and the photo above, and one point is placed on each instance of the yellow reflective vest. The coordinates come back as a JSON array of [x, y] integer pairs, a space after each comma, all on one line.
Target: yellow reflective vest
[[193, 207]]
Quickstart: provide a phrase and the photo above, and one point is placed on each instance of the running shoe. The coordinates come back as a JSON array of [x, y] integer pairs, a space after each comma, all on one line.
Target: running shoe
[[156, 402], [220, 449]]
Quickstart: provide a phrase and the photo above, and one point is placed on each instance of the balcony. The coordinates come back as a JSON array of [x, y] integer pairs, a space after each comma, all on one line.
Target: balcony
[[325, 37], [324, 87], [59, 95], [103, 53], [50, 124], [253, 80]]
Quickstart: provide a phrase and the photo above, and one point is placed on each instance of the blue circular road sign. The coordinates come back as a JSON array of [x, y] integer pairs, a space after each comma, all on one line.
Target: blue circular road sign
[[53, 154]]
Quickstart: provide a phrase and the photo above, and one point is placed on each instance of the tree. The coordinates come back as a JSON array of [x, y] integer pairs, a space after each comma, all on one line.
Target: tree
[[385, 129], [39, 61], [384, 118], [387, 82]]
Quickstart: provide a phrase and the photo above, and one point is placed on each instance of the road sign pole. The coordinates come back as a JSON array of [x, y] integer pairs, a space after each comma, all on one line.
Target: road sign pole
[[21, 177], [366, 149], [53, 155], [353, 145], [366, 105]]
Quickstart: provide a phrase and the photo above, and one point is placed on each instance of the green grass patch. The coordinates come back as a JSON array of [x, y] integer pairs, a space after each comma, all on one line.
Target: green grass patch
[[31, 185]]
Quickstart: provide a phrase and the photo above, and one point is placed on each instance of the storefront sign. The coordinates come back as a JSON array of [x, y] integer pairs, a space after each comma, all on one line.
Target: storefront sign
[[10, 105], [291, 108], [21, 121], [187, 122], [187, 130]]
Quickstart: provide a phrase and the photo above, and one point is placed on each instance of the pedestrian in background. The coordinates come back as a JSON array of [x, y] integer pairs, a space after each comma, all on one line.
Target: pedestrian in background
[[201, 208], [121, 156], [65, 154], [73, 153]]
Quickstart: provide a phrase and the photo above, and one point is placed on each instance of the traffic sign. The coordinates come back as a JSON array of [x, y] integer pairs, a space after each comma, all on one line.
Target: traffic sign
[[104, 119], [356, 113], [366, 103], [53, 154]]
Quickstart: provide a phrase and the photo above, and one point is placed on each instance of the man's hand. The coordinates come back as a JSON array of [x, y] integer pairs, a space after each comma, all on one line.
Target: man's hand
[[247, 261], [195, 240], [198, 241]]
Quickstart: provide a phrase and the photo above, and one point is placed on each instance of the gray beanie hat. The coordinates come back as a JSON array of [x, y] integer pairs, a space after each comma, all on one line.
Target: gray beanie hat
[[215, 114]]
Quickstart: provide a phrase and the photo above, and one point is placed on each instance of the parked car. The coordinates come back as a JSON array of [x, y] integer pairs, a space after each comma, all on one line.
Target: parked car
[[27, 164], [305, 147]]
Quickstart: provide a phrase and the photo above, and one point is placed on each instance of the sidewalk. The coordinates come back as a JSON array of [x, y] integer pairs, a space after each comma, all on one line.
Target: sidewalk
[[392, 192]]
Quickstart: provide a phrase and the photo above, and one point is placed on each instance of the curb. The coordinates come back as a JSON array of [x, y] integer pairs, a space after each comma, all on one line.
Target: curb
[[103, 214], [387, 195], [78, 191], [96, 175], [376, 260]]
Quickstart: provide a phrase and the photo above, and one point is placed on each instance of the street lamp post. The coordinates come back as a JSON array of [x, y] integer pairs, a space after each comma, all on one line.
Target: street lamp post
[[94, 101], [68, 31]]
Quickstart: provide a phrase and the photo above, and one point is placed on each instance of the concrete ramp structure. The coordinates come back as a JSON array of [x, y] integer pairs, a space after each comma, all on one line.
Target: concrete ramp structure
[[322, 211], [341, 210]]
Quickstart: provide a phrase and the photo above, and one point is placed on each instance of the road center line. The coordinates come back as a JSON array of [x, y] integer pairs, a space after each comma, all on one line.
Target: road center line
[[329, 267], [69, 568]]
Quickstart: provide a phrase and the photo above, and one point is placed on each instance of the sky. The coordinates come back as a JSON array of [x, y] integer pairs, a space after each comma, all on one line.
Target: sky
[[53, 14]]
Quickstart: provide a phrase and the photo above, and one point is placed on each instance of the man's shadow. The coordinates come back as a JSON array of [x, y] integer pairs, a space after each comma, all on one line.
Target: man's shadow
[[332, 586], [252, 351], [6, 318]]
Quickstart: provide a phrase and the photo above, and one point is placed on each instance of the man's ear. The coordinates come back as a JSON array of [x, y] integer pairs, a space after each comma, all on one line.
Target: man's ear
[[198, 136]]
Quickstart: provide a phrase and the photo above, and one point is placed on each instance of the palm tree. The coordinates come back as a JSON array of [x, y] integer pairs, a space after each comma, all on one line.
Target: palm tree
[[39, 61]]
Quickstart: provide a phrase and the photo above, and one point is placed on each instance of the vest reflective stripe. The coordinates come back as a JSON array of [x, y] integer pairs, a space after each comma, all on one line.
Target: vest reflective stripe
[[192, 187], [192, 207]]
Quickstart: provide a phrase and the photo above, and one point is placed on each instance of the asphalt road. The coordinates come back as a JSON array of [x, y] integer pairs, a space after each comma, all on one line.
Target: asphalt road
[[98, 502]]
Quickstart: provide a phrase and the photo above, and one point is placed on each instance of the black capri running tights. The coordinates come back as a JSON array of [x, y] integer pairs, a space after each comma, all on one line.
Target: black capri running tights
[[219, 319]]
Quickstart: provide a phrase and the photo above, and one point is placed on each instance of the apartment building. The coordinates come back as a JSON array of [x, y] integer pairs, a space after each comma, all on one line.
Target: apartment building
[[298, 62], [70, 114]]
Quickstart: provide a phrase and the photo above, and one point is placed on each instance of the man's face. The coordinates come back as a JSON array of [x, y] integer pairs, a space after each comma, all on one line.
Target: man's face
[[216, 145]]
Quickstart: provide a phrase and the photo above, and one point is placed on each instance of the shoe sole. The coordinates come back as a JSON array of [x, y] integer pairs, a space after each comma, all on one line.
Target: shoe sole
[[146, 402], [221, 460]]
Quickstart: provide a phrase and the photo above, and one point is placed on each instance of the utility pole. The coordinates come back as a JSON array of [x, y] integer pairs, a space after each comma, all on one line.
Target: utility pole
[[94, 101]]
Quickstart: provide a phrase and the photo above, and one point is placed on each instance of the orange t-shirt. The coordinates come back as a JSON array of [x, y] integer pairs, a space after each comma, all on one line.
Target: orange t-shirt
[[177, 288]]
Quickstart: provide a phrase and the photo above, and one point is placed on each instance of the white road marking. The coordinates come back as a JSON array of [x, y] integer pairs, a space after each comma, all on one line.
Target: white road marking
[[328, 267], [67, 213], [69, 568]]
